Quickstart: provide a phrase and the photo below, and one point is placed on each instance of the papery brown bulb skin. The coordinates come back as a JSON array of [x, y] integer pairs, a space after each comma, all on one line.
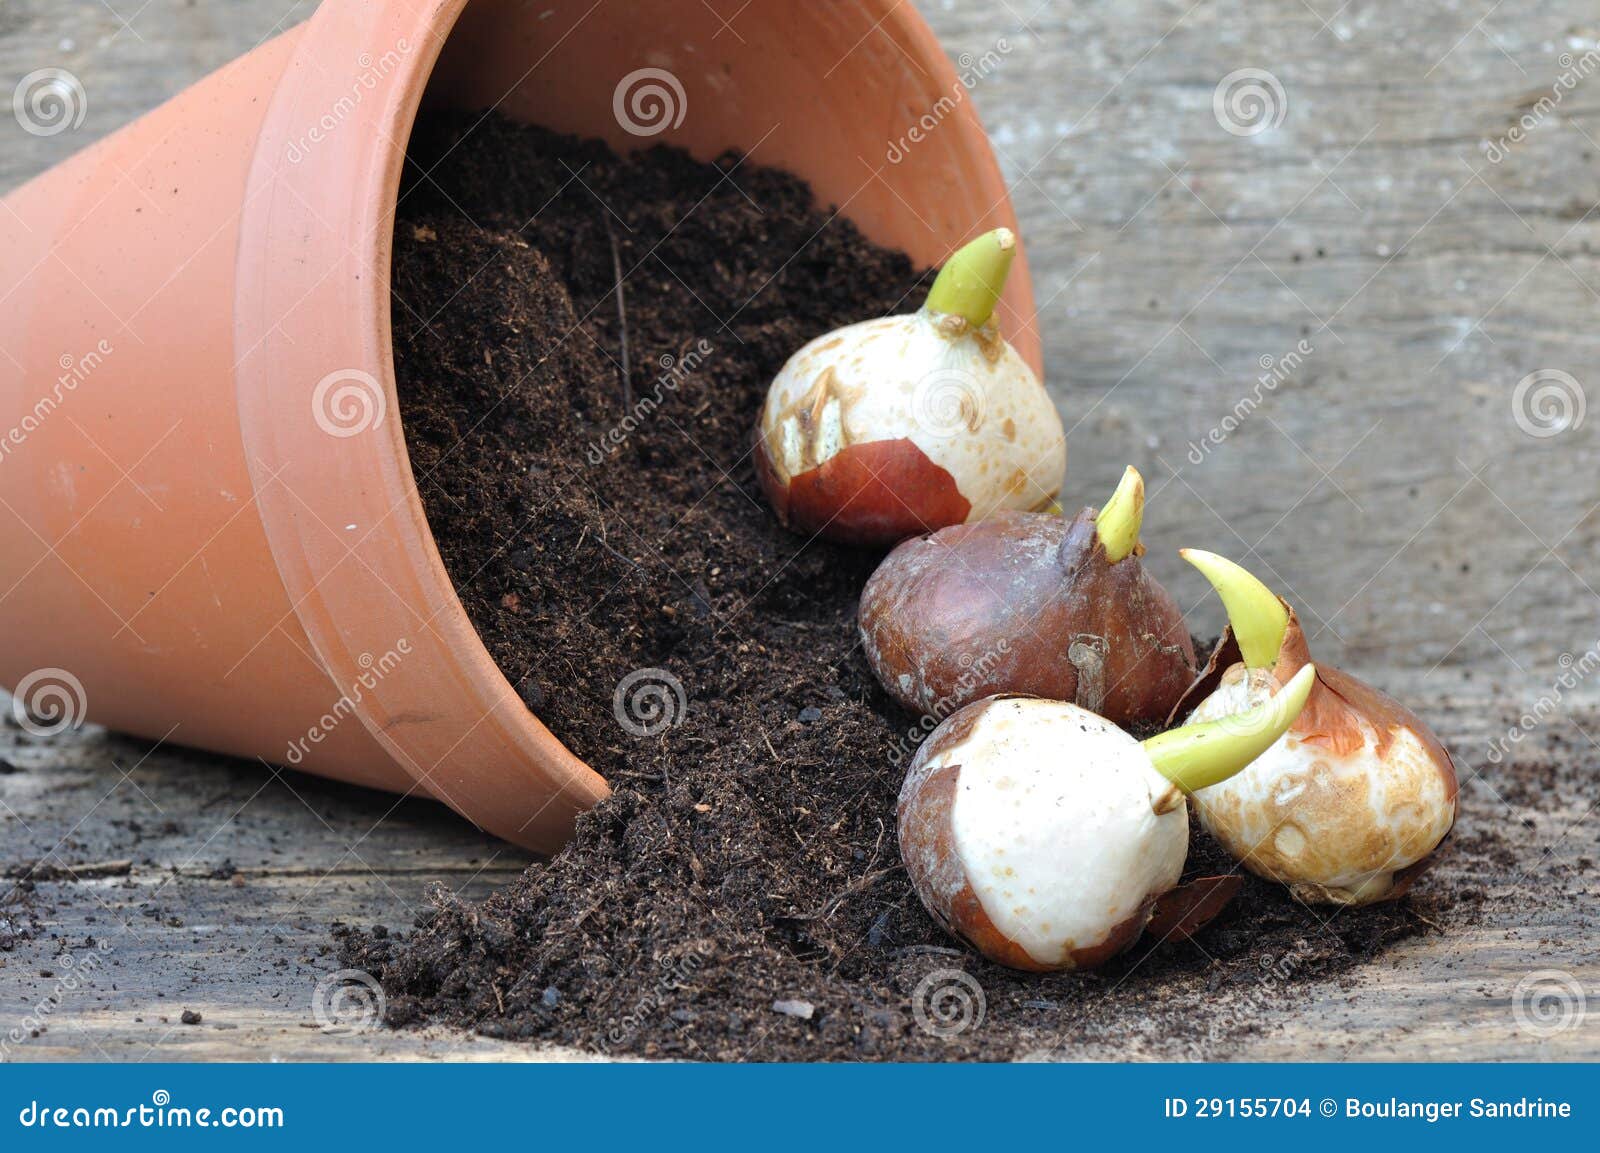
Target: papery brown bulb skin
[[871, 495], [1347, 808], [1024, 603]]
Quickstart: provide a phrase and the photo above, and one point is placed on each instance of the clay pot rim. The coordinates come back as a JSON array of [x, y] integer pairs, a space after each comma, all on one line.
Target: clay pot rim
[[338, 598], [345, 612]]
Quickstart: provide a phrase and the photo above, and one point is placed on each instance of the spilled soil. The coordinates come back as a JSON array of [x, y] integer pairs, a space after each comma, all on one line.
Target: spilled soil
[[584, 459]]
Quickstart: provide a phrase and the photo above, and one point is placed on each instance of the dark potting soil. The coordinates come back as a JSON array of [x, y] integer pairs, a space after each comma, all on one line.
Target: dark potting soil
[[583, 458]]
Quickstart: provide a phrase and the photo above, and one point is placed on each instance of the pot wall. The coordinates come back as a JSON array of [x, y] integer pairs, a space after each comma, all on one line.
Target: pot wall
[[134, 557]]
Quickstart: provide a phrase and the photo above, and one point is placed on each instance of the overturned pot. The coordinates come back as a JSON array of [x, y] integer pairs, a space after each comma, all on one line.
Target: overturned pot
[[213, 534]]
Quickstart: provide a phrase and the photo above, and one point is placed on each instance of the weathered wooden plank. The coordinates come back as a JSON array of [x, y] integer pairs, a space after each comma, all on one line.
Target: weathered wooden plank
[[234, 873], [246, 949]]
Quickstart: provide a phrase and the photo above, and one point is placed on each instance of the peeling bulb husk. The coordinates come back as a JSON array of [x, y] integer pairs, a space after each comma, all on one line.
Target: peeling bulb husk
[[1118, 523], [972, 280], [1256, 614], [1200, 755], [1347, 806]]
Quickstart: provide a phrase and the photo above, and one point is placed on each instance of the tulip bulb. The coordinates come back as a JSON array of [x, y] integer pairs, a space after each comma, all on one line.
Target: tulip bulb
[[1030, 603], [1044, 835], [905, 424], [1347, 806]]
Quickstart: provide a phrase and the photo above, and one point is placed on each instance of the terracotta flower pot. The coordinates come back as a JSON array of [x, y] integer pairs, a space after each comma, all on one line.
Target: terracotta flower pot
[[209, 518]]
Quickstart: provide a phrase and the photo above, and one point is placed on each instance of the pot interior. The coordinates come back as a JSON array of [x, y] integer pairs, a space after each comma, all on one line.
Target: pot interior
[[855, 96]]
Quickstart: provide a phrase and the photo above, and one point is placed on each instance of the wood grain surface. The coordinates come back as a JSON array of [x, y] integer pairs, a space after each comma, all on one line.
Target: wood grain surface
[[1418, 207]]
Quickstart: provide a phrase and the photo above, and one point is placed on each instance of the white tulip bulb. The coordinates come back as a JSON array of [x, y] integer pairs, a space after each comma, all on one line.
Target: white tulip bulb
[[906, 424], [1043, 834]]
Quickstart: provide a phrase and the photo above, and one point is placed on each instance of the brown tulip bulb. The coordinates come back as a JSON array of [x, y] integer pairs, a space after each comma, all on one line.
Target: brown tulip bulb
[[1030, 603]]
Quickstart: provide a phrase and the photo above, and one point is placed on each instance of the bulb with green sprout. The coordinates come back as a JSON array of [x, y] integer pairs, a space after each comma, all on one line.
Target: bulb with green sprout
[[1056, 607], [901, 425], [1347, 806], [1045, 836]]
